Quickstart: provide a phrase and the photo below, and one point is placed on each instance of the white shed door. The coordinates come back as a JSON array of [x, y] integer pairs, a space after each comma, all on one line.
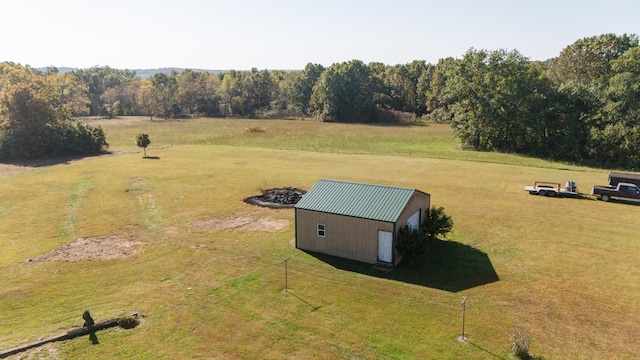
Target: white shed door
[[385, 246], [413, 221]]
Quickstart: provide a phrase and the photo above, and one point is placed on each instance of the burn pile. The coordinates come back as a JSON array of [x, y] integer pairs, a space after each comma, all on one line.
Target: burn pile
[[277, 198]]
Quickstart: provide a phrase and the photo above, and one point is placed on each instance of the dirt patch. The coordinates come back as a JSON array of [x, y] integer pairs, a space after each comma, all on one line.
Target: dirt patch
[[277, 198], [94, 248], [269, 225], [47, 351], [242, 223], [10, 169]]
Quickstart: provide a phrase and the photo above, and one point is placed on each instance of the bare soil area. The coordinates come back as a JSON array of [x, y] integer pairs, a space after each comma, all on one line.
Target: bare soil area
[[47, 351], [242, 223], [94, 248], [118, 247]]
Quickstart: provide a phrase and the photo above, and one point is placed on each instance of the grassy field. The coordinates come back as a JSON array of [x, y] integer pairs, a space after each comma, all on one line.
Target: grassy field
[[564, 268], [431, 141]]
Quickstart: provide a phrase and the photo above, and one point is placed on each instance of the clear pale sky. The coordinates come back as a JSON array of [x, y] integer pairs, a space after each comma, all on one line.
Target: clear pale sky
[[288, 34]]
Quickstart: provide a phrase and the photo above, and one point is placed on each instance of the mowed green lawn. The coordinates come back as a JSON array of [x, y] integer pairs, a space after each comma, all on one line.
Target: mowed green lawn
[[564, 268]]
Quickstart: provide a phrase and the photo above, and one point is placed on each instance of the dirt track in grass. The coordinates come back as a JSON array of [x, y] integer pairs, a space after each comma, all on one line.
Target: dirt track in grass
[[242, 223], [121, 246], [8, 169]]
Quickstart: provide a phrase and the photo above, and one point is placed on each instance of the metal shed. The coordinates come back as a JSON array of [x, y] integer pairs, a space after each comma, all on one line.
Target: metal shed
[[357, 221]]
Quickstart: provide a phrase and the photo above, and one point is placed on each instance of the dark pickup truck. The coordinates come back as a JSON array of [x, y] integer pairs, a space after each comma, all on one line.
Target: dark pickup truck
[[624, 191]]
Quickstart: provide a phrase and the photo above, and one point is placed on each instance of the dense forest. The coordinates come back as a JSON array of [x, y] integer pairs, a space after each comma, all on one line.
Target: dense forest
[[581, 106]]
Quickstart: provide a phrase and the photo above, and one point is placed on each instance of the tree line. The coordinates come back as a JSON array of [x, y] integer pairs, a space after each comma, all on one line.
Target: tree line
[[35, 124], [581, 106]]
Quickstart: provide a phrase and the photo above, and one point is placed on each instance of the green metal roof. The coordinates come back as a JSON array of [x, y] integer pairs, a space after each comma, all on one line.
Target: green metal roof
[[367, 201]]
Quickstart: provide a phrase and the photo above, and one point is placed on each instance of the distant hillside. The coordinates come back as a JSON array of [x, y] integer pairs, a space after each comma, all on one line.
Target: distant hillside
[[142, 73]]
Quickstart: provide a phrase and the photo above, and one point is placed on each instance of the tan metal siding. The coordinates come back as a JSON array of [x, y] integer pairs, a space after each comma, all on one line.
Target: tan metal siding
[[419, 200], [347, 237], [350, 237]]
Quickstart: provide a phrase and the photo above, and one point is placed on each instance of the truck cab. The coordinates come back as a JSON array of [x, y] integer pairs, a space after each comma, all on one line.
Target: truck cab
[[629, 190], [624, 191]]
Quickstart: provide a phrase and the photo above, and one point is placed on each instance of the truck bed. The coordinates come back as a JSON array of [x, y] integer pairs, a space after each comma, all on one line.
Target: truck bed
[[606, 188]]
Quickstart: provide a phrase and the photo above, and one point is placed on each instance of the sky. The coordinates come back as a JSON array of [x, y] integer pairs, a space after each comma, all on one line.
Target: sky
[[288, 34]]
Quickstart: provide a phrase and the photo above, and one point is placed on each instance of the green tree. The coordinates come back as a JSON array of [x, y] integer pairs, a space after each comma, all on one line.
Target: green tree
[[614, 120], [622, 96], [210, 104], [34, 121], [111, 102], [382, 90], [567, 135], [498, 101], [72, 93], [344, 93], [196, 93], [165, 89], [98, 80], [281, 106], [147, 103], [406, 86], [425, 73], [437, 97], [596, 89], [29, 110], [258, 90], [588, 60], [142, 140], [230, 92], [300, 92]]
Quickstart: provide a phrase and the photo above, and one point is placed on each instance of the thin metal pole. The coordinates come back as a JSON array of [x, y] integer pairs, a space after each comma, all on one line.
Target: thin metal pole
[[286, 275], [464, 303]]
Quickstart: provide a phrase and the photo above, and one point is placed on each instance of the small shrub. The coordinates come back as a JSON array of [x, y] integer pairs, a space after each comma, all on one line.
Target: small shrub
[[393, 116], [254, 129], [128, 322], [278, 113], [520, 341], [412, 244], [436, 223]]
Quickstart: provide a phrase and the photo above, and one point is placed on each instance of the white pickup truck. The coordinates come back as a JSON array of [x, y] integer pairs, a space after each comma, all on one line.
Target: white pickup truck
[[551, 189]]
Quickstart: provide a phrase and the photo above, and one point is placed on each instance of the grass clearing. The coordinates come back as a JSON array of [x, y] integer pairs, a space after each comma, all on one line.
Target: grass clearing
[[419, 140], [565, 267]]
